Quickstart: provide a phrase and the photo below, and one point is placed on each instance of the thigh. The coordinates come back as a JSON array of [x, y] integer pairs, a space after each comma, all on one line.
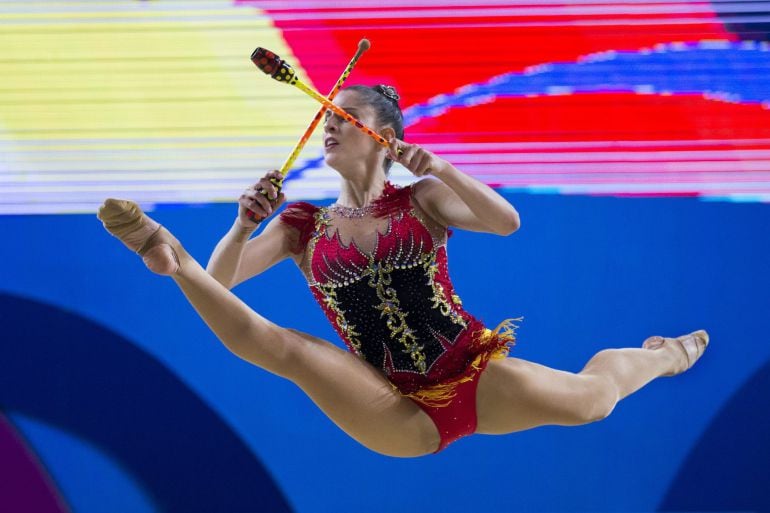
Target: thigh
[[359, 399], [514, 395]]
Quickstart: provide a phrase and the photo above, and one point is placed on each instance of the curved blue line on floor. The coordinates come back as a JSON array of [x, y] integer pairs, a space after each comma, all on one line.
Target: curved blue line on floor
[[69, 372], [722, 467], [75, 465]]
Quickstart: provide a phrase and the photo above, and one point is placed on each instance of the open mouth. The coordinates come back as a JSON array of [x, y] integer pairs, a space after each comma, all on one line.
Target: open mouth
[[330, 143]]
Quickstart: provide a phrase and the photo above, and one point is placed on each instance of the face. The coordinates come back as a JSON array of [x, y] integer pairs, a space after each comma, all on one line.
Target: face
[[346, 148]]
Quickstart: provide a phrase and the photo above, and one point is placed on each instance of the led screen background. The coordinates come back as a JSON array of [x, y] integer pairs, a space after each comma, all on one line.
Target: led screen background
[[631, 136], [158, 101]]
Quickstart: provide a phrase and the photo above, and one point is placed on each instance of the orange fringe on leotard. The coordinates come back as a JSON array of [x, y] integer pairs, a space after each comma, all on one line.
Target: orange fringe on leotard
[[494, 344]]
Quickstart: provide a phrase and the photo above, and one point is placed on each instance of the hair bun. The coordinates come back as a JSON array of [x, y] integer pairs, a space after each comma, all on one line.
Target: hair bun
[[387, 91]]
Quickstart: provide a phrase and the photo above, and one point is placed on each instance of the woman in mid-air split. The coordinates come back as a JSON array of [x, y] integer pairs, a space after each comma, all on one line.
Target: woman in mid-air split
[[420, 372]]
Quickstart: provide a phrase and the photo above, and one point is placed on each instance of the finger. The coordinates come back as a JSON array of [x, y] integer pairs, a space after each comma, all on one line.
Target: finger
[[268, 189], [278, 183], [251, 208], [251, 191], [257, 211], [248, 199], [263, 202], [412, 158], [254, 217], [253, 211], [393, 149], [271, 184], [277, 202], [404, 157], [397, 149], [275, 176], [423, 167]]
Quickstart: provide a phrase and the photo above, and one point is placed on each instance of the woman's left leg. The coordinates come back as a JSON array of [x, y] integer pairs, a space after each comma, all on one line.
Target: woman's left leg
[[514, 394]]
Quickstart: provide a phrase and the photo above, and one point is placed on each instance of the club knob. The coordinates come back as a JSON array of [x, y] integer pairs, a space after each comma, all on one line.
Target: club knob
[[273, 65]]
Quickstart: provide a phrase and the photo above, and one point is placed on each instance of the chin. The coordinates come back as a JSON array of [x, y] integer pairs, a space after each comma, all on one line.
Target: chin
[[334, 162]]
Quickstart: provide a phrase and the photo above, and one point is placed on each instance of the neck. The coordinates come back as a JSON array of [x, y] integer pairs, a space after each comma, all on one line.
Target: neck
[[359, 192]]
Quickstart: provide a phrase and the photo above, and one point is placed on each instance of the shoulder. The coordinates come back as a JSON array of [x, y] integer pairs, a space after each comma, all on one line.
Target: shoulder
[[427, 188], [299, 210], [428, 194], [301, 216]]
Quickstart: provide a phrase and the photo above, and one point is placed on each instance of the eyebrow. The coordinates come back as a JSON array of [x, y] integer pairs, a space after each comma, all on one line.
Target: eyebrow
[[349, 110]]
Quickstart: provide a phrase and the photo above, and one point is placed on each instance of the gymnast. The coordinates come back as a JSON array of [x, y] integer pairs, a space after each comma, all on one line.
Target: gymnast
[[419, 372]]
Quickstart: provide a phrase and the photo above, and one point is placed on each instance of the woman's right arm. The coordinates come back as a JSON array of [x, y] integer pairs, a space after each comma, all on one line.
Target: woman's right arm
[[226, 264]]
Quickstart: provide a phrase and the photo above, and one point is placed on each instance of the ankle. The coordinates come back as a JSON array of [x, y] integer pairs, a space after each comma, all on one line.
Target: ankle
[[671, 359], [163, 254]]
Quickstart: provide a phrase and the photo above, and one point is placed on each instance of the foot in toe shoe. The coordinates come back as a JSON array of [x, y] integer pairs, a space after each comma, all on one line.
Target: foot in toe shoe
[[686, 348], [693, 345], [126, 221]]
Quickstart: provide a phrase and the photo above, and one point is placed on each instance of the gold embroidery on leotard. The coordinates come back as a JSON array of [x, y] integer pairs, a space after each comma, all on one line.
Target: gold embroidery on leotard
[[390, 307], [330, 300], [322, 220], [439, 297]]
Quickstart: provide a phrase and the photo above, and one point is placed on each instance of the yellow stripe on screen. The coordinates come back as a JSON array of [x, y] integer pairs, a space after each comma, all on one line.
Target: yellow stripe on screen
[[143, 79]]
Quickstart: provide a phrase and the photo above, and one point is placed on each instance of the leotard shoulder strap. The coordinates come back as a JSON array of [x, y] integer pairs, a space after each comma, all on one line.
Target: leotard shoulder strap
[[393, 199], [301, 217]]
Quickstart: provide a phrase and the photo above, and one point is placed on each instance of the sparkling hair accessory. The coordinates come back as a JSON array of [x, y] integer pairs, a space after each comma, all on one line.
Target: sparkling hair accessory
[[387, 91]]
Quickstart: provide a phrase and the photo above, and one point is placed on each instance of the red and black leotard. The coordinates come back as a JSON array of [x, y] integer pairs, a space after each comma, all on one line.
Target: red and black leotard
[[382, 280]]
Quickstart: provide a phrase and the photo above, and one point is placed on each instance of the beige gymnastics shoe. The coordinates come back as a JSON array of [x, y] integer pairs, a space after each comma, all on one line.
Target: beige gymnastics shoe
[[157, 247], [692, 345]]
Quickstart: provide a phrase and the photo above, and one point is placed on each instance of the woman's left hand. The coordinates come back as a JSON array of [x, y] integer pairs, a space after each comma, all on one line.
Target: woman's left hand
[[417, 160]]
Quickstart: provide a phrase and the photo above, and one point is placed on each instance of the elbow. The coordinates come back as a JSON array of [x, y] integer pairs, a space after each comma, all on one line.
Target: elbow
[[510, 224]]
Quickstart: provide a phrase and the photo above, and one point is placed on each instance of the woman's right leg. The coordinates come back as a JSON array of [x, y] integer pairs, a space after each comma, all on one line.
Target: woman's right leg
[[515, 394], [353, 394]]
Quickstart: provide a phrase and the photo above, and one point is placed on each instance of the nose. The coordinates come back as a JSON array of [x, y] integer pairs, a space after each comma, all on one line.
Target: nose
[[331, 124]]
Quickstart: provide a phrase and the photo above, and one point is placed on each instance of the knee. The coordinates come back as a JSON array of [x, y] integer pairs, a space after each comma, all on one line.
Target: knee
[[275, 349], [288, 353], [601, 398]]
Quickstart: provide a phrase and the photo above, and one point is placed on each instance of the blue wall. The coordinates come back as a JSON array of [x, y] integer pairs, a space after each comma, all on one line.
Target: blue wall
[[109, 375]]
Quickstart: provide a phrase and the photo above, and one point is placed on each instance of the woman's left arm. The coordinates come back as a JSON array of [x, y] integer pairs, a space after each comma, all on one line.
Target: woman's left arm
[[455, 199]]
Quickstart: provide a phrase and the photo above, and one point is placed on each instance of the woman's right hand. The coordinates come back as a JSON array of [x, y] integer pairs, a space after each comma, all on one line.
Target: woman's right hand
[[260, 200]]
